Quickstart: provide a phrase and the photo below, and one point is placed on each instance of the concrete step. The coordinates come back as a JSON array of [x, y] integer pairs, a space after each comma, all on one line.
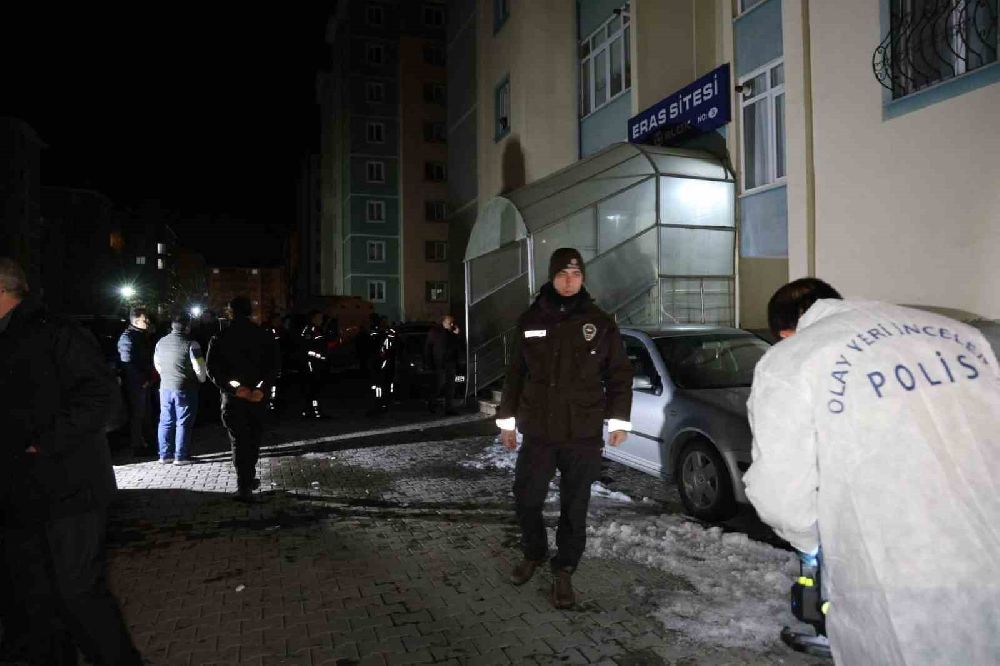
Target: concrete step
[[488, 407], [497, 395]]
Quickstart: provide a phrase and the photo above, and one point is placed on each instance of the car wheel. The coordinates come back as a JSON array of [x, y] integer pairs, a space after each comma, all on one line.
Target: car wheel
[[703, 480]]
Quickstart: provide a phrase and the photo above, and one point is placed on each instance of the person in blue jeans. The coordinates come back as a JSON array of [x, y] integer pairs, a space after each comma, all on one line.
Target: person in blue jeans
[[181, 364]]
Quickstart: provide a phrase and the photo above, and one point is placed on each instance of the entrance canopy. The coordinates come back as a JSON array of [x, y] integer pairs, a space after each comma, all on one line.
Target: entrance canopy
[[655, 225]]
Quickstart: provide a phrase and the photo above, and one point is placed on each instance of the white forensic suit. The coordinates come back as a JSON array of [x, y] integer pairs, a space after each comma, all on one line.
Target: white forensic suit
[[876, 433]]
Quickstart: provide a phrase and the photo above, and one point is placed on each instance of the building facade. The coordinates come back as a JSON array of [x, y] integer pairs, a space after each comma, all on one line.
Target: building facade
[[383, 162], [20, 196]]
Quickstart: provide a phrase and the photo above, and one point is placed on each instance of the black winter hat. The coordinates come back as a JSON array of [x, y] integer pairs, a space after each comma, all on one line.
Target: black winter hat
[[566, 257]]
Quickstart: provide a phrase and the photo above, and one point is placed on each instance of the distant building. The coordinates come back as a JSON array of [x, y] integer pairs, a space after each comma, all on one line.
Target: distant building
[[267, 289], [383, 230], [82, 251], [20, 196]]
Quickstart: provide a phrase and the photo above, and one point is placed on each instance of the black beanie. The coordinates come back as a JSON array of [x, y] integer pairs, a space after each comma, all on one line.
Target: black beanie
[[565, 257]]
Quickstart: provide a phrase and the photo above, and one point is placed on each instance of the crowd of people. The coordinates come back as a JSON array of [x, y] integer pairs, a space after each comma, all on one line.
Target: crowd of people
[[875, 453]]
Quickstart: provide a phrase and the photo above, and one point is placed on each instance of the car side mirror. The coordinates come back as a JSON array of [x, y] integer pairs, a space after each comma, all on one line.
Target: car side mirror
[[641, 382]]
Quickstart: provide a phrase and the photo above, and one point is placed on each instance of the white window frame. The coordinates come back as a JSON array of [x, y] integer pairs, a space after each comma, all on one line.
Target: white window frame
[[433, 87], [375, 15], [435, 55], [373, 295], [431, 11], [375, 211], [380, 165], [373, 48], [433, 169], [433, 207], [440, 284], [375, 251], [770, 96], [748, 6], [140, 260], [371, 96], [375, 131], [589, 60]]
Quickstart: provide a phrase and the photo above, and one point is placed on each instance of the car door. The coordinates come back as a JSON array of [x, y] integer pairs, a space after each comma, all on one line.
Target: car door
[[642, 448]]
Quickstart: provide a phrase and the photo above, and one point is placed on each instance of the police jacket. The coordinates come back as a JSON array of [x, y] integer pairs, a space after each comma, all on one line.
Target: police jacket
[[136, 355], [244, 354], [313, 343], [57, 395], [876, 434], [569, 371]]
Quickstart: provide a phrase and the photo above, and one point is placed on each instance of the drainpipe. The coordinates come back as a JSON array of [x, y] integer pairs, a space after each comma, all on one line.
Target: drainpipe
[[810, 163]]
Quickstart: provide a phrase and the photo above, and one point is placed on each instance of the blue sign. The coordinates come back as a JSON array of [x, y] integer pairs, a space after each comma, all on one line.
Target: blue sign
[[696, 108]]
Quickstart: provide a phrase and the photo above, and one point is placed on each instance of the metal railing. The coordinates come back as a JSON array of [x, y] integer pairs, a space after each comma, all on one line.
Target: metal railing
[[930, 41], [488, 361]]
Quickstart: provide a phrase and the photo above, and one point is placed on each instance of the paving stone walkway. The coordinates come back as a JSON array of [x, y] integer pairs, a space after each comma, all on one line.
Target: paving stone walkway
[[387, 554]]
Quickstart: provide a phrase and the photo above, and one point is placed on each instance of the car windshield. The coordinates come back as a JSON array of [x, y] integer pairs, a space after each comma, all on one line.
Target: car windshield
[[714, 360]]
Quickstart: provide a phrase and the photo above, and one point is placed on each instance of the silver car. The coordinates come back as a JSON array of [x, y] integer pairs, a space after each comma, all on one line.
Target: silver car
[[689, 413]]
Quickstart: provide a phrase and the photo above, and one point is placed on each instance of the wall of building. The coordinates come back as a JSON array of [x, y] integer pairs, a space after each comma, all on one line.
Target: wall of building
[[537, 49], [20, 205], [906, 206], [415, 151]]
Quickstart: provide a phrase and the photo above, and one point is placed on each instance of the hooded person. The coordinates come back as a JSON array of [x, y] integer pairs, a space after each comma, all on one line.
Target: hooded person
[[567, 376], [876, 447]]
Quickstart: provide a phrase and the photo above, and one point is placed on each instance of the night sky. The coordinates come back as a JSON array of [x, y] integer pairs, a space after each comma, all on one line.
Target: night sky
[[207, 111]]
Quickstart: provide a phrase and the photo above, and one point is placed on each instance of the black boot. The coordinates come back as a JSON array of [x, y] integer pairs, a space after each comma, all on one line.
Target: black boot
[[562, 589]]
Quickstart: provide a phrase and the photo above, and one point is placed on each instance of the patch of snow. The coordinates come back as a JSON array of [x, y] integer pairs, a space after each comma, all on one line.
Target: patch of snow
[[495, 456], [599, 490], [738, 588]]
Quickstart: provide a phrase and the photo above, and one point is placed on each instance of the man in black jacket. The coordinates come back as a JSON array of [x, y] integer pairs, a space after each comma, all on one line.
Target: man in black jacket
[[442, 349], [244, 361], [569, 374], [56, 480], [135, 352]]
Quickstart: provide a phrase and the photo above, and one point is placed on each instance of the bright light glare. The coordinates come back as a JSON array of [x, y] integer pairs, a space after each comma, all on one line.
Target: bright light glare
[[126, 291], [195, 311]]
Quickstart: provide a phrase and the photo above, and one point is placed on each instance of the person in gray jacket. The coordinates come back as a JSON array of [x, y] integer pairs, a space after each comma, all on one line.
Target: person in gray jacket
[[181, 364]]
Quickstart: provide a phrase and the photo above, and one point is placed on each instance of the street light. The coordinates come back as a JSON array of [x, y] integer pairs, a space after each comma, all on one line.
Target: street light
[[127, 291], [196, 311]]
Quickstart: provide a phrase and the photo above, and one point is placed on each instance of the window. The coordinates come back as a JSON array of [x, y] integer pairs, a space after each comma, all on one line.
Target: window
[[501, 12], [375, 15], [931, 41], [437, 292], [605, 63], [642, 364], [376, 291], [161, 248], [435, 211], [435, 172], [375, 211], [375, 54], [436, 251], [159, 264], [140, 261], [376, 252], [434, 16], [434, 93], [376, 172], [376, 132], [374, 92], [763, 114], [747, 5], [434, 54], [434, 132], [501, 109]]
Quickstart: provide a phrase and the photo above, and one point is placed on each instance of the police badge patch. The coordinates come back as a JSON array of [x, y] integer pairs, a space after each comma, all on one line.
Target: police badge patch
[[589, 332]]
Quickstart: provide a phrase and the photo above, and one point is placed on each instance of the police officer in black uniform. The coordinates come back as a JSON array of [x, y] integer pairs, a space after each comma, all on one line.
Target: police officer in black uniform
[[569, 374], [243, 361], [313, 342], [382, 366]]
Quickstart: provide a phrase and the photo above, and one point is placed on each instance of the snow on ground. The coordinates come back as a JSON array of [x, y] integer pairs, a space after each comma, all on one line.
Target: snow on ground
[[740, 587], [500, 457]]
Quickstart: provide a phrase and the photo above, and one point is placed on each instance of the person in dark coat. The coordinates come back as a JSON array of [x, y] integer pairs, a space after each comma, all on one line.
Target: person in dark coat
[[135, 351], [382, 366], [313, 344], [56, 480], [568, 375], [243, 361], [441, 351]]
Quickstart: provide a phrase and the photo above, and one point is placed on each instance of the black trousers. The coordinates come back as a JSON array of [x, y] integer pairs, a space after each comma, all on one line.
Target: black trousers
[[138, 408], [444, 384], [579, 465], [58, 572], [313, 379], [244, 421]]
